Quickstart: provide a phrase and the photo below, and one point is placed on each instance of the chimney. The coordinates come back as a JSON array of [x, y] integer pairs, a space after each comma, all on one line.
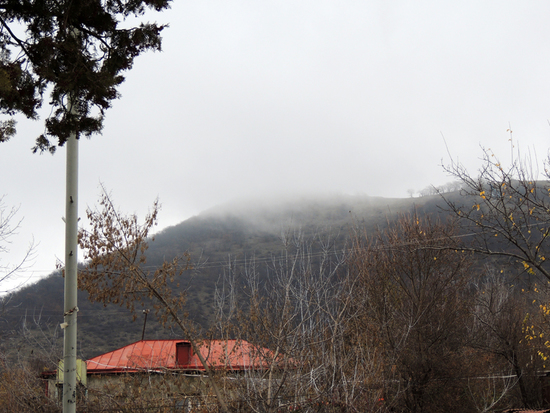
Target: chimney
[[183, 354]]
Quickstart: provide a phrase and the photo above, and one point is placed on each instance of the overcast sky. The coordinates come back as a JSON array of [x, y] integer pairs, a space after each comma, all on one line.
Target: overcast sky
[[261, 97]]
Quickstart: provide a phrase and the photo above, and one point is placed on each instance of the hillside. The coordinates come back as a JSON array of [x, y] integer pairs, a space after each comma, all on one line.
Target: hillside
[[30, 317]]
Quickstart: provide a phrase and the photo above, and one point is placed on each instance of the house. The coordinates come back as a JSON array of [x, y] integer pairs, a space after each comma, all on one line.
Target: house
[[142, 368], [163, 355]]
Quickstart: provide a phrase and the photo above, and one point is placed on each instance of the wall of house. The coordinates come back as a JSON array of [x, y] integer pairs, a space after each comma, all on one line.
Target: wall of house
[[130, 384], [136, 391], [139, 388]]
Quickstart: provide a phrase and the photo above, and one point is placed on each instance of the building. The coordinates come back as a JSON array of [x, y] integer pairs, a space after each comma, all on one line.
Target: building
[[166, 370], [177, 355]]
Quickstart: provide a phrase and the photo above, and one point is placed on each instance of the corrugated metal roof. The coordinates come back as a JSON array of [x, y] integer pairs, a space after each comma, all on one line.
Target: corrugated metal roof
[[150, 355]]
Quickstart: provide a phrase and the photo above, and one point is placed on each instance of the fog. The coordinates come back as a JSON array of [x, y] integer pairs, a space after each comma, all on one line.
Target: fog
[[256, 99]]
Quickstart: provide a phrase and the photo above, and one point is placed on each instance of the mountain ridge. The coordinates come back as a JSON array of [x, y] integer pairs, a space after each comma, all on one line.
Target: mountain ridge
[[245, 228]]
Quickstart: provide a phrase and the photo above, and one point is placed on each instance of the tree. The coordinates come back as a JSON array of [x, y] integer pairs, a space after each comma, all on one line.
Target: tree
[[298, 307], [21, 366], [8, 228], [298, 312], [22, 391], [75, 50], [507, 210], [397, 323], [499, 332], [411, 304], [116, 273]]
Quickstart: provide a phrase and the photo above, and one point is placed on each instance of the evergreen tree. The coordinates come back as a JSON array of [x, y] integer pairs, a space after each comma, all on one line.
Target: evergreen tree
[[76, 51]]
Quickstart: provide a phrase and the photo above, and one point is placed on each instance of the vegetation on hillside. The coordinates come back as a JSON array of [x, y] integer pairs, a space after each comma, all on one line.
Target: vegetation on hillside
[[437, 303]]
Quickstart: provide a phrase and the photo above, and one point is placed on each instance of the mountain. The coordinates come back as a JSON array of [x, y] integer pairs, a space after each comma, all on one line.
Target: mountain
[[30, 317]]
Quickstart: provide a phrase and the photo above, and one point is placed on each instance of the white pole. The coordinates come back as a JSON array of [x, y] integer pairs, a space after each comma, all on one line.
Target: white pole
[[71, 262]]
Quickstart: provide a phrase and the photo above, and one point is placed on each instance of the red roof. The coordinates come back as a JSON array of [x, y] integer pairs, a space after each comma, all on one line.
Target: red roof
[[160, 355]]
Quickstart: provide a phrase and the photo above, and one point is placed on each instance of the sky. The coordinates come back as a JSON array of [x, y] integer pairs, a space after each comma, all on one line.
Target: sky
[[265, 98]]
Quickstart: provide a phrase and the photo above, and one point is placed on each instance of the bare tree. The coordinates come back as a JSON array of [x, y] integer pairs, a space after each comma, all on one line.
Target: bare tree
[[390, 325], [21, 390], [412, 305], [299, 305], [498, 332], [8, 229], [488, 392], [507, 209], [394, 324], [115, 273], [21, 385]]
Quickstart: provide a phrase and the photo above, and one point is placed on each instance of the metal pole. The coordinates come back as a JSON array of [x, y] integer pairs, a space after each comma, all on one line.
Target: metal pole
[[71, 246], [144, 323]]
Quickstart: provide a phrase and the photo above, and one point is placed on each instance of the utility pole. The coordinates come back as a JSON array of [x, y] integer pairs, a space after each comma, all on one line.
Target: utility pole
[[144, 323], [71, 263]]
